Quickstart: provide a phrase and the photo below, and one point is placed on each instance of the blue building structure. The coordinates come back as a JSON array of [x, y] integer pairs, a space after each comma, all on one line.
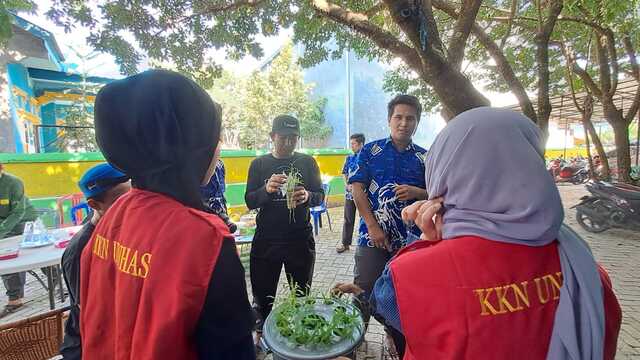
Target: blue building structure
[[37, 90], [356, 101]]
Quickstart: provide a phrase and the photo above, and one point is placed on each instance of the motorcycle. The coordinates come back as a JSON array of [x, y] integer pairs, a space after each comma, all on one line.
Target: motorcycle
[[575, 173], [609, 205]]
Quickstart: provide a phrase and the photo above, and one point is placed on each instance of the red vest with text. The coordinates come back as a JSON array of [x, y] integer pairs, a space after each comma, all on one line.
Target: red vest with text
[[145, 276], [471, 298]]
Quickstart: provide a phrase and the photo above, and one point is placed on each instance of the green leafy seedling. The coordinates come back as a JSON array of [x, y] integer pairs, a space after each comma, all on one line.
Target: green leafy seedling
[[298, 320]]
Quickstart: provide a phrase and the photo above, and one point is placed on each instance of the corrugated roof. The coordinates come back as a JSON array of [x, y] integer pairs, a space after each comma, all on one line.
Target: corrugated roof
[[564, 111]]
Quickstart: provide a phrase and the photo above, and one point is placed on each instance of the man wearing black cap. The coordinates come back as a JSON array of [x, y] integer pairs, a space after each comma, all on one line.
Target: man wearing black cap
[[282, 237]]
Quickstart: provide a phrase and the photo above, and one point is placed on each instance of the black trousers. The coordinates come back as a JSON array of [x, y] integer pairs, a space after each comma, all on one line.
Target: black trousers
[[349, 221], [369, 265], [267, 258]]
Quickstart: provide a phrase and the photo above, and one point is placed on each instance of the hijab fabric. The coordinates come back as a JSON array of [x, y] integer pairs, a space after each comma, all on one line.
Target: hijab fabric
[[488, 165], [161, 129]]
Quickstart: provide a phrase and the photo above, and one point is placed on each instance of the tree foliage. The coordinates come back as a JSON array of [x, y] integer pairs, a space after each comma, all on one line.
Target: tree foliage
[[79, 135], [441, 44], [186, 31], [250, 104], [6, 8]]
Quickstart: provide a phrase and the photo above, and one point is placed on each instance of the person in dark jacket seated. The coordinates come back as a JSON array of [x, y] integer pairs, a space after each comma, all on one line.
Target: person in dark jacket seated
[[101, 185]]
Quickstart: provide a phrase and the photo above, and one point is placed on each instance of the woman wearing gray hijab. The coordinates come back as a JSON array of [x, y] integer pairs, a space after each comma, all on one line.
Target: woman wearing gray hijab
[[501, 277]]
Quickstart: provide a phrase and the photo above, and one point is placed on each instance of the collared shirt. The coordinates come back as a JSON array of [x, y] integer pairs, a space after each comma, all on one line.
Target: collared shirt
[[213, 192], [350, 164], [381, 167]]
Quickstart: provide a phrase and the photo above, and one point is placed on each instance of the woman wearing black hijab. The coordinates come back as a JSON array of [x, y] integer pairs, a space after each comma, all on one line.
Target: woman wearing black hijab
[[161, 278]]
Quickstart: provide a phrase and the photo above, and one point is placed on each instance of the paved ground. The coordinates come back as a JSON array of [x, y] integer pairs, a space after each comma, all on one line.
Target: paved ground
[[617, 250]]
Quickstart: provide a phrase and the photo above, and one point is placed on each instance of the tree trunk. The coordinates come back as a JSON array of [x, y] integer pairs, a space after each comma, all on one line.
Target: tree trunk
[[588, 143], [623, 155], [620, 126], [606, 171], [544, 105], [455, 91]]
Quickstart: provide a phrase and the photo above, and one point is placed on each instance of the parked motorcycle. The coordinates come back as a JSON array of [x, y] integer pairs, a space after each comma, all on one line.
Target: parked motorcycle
[[574, 172], [574, 175], [609, 205]]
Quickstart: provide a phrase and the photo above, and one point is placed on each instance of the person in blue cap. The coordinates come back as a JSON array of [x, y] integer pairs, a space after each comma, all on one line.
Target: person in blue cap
[[101, 185]]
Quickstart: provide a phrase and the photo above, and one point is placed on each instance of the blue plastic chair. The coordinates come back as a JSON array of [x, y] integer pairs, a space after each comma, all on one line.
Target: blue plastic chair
[[74, 219], [317, 211]]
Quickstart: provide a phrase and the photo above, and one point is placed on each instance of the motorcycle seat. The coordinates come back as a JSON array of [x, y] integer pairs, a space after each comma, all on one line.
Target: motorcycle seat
[[626, 193]]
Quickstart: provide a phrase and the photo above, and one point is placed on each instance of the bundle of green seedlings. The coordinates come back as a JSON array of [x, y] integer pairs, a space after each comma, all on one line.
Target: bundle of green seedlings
[[294, 178], [298, 320]]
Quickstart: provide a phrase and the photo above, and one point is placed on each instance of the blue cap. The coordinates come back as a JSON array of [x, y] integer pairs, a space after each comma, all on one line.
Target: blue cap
[[99, 179]]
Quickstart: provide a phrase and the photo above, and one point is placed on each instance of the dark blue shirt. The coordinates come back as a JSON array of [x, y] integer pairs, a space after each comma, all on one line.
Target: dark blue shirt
[[350, 165], [381, 167], [213, 193]]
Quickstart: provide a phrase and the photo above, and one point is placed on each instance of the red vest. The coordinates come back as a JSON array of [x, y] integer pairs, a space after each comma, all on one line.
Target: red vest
[[472, 298], [145, 275]]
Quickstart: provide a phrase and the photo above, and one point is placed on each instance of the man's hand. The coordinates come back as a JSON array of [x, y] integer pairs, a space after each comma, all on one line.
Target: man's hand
[[408, 192], [275, 182], [344, 288], [426, 215], [378, 237], [300, 195]]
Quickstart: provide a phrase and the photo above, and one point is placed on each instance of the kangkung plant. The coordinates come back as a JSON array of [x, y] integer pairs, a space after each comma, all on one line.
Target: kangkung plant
[[301, 321], [294, 179]]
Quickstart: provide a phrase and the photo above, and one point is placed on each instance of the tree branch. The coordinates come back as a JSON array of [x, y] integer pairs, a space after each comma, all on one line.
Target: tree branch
[[360, 23], [607, 62], [603, 66], [514, 21], [512, 14], [403, 14], [432, 26], [635, 70], [583, 21], [634, 108], [461, 30], [613, 59], [374, 9], [633, 59], [561, 17], [570, 80], [542, 58], [582, 73], [211, 9], [503, 65], [218, 8]]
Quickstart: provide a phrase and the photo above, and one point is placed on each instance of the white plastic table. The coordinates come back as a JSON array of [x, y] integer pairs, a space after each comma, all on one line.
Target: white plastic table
[[50, 256], [34, 258]]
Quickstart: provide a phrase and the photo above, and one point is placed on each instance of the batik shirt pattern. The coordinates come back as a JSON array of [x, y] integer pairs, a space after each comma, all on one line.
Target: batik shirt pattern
[[349, 165], [213, 192], [381, 167]]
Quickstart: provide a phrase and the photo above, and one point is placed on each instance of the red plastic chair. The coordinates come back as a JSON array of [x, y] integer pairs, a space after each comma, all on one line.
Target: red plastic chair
[[75, 199]]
